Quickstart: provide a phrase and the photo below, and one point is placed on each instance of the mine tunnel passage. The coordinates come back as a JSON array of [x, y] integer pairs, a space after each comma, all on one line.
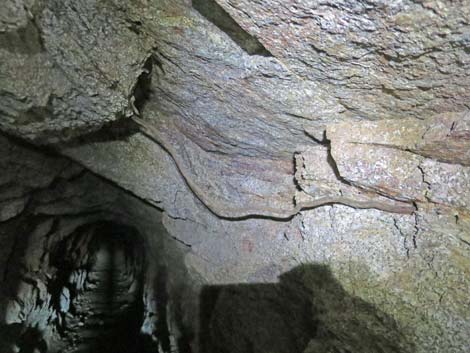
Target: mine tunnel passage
[[99, 290]]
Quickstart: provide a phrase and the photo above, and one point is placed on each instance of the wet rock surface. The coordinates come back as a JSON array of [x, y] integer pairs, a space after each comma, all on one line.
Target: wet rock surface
[[297, 172]]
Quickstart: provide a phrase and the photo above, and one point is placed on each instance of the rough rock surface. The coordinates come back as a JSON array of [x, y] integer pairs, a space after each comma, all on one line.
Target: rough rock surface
[[70, 56], [299, 170], [405, 156], [378, 59], [53, 294]]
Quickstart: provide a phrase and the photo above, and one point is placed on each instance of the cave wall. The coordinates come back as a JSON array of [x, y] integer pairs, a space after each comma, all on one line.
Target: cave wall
[[309, 158], [59, 290]]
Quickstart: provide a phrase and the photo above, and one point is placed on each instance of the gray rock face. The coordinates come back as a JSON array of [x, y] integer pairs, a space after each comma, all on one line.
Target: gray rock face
[[379, 59], [70, 56], [298, 170]]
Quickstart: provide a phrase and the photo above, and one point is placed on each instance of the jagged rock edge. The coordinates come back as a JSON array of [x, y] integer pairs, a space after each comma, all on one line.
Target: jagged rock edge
[[257, 212]]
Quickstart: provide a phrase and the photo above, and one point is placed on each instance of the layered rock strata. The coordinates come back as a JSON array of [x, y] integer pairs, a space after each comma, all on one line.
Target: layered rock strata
[[295, 169]]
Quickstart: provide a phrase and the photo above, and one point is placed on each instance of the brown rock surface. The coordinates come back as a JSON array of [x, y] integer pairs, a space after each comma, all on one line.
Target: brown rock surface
[[307, 158]]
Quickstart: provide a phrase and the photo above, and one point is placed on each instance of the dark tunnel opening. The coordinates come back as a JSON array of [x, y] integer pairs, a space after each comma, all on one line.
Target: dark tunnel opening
[[100, 305], [95, 286]]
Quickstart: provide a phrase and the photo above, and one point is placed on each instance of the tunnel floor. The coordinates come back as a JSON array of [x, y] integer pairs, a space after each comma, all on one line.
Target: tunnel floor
[[106, 314]]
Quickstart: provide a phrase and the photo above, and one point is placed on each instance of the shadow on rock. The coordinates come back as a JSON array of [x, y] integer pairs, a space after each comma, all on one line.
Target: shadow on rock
[[307, 311]]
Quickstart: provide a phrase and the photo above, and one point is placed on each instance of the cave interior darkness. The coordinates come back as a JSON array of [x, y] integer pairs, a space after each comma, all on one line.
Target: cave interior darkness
[[97, 292], [108, 305]]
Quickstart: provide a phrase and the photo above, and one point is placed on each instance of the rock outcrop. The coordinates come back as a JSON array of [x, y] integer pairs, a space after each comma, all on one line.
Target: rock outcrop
[[296, 174]]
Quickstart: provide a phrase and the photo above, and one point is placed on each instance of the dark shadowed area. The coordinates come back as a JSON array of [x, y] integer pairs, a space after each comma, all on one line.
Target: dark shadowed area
[[307, 311]]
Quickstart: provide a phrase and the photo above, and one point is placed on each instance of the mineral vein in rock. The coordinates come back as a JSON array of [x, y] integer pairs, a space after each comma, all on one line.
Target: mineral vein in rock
[[267, 212]]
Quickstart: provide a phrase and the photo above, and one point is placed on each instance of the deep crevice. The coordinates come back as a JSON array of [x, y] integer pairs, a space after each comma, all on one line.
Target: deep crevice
[[120, 129], [214, 13], [143, 88]]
